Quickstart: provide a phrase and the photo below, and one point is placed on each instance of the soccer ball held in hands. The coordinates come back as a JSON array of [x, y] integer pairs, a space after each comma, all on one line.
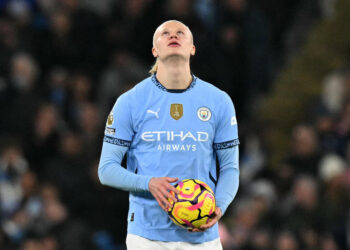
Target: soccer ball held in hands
[[195, 204]]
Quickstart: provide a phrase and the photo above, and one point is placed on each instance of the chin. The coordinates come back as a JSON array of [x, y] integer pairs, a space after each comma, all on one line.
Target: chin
[[176, 56]]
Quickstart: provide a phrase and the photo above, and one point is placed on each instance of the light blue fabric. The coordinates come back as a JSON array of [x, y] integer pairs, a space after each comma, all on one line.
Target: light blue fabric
[[112, 174], [228, 181], [170, 134]]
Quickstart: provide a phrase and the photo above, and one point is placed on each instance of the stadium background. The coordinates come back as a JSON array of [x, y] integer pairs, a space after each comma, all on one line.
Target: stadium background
[[284, 63]]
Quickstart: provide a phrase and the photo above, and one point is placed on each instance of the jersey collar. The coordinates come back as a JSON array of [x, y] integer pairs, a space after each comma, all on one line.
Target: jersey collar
[[160, 86]]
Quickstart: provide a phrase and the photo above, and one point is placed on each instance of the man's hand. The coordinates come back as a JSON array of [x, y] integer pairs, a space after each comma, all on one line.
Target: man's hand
[[160, 189], [211, 222]]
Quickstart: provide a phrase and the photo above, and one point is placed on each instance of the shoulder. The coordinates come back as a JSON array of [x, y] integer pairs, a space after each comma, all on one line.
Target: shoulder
[[142, 86], [136, 92], [212, 91]]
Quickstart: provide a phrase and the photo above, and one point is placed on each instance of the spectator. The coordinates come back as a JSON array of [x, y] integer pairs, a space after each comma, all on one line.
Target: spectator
[[305, 155], [286, 241], [41, 144], [13, 165]]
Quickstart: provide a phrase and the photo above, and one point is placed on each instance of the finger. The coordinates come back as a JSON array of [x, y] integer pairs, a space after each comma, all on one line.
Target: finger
[[218, 212], [165, 200], [162, 201], [210, 223], [161, 204], [172, 188], [172, 197], [171, 179], [169, 195]]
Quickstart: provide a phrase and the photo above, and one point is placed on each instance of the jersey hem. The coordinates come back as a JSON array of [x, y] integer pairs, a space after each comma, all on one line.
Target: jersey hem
[[171, 235]]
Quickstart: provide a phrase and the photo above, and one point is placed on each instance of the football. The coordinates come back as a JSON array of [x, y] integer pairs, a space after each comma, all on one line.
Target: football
[[195, 204]]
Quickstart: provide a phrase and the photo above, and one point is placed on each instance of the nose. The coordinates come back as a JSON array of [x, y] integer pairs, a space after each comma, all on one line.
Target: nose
[[173, 35]]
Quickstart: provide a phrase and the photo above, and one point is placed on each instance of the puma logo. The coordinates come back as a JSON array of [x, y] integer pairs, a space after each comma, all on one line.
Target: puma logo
[[155, 113]]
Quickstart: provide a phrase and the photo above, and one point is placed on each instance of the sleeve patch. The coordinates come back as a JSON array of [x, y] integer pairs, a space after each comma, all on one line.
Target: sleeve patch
[[116, 141], [226, 144], [110, 131]]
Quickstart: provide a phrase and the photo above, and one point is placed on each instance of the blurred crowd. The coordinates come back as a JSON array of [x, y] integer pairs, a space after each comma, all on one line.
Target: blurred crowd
[[63, 63], [305, 202]]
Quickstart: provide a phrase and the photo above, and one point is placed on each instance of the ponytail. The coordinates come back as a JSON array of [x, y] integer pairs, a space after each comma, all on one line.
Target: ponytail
[[154, 68]]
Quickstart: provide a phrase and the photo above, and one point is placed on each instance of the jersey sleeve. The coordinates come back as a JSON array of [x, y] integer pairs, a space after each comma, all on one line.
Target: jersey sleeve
[[112, 174], [228, 181], [117, 140], [226, 134], [119, 127]]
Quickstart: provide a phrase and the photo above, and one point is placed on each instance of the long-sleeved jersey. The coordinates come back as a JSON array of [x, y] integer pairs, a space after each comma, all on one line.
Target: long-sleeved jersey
[[175, 133]]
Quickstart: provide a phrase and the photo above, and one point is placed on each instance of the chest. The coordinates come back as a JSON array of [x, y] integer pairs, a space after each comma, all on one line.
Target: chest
[[171, 119]]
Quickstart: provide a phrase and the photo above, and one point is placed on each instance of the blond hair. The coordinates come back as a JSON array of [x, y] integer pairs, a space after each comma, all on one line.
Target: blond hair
[[154, 68]]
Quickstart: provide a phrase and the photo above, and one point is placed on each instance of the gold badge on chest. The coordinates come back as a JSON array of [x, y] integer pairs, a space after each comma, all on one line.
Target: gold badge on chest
[[176, 111]]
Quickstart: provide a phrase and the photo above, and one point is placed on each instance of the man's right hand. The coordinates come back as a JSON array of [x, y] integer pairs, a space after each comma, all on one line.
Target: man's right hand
[[160, 188]]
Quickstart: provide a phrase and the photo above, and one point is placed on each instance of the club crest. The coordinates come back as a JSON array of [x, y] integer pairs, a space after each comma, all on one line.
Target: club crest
[[204, 114], [176, 111]]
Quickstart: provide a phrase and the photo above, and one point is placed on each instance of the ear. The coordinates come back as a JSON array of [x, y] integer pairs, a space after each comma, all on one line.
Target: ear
[[154, 52], [193, 50]]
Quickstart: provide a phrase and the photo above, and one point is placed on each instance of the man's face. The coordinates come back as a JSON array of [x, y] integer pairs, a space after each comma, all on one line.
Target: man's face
[[173, 39]]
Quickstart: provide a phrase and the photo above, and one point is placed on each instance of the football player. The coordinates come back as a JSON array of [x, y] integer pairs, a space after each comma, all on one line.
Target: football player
[[172, 126]]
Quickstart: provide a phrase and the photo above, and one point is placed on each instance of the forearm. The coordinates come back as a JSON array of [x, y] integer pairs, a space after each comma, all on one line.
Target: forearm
[[228, 180], [112, 174]]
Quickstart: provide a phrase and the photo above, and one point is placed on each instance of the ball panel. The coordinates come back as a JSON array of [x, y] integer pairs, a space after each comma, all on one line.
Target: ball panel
[[176, 222], [188, 190], [200, 222], [204, 185], [207, 201], [182, 213]]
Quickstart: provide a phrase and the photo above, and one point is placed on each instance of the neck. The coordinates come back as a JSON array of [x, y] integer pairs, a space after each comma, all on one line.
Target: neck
[[174, 74]]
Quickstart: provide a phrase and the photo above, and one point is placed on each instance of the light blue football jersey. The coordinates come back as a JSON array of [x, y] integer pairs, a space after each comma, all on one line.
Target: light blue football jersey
[[170, 133]]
